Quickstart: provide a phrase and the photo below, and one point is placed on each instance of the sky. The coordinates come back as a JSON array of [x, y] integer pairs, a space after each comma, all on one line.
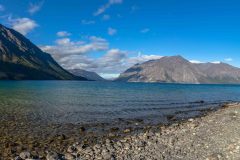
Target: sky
[[109, 36]]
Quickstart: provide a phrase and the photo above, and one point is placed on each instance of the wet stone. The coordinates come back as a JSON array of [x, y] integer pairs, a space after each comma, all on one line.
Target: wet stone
[[82, 129]]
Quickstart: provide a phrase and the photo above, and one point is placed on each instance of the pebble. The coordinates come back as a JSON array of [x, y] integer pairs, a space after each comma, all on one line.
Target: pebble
[[127, 130], [69, 156], [17, 158], [24, 155], [71, 149], [191, 120], [82, 129], [52, 156]]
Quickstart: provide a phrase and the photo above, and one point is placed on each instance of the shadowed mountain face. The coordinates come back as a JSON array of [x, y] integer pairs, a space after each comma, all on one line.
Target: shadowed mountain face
[[20, 59], [86, 74], [176, 69]]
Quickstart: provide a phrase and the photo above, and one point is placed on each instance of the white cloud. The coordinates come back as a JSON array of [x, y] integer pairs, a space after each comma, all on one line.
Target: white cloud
[[65, 47], [63, 34], [103, 8], [112, 31], [216, 62], [228, 59], [112, 62], [2, 8], [33, 8], [97, 39], [63, 41], [23, 25], [196, 61], [145, 30], [114, 55], [87, 22], [106, 17], [142, 58]]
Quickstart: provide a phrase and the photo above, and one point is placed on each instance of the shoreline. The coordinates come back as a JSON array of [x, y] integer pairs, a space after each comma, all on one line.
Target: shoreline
[[113, 140], [214, 136]]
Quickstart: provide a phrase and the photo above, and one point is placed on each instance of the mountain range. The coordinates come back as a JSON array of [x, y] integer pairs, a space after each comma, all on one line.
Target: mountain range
[[20, 59], [86, 74], [176, 69]]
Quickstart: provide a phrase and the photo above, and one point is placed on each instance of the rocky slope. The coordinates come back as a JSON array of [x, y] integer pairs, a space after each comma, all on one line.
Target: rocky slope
[[20, 59], [176, 69], [89, 75]]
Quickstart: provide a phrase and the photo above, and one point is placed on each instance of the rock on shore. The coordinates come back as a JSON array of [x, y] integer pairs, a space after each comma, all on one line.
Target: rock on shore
[[212, 137]]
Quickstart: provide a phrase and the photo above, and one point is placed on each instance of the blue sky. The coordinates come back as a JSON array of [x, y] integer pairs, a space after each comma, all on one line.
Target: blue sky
[[108, 36]]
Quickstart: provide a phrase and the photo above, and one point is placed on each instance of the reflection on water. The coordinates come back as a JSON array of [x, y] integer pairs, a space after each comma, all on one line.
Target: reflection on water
[[86, 102]]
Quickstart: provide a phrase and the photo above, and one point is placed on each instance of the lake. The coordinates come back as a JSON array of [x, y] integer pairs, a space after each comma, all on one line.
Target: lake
[[91, 102]]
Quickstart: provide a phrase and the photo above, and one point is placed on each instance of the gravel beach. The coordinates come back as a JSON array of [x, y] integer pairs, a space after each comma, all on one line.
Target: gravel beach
[[215, 136]]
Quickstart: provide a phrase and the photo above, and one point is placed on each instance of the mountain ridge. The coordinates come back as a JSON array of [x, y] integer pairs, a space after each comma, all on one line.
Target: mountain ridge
[[87, 74], [176, 69], [20, 59]]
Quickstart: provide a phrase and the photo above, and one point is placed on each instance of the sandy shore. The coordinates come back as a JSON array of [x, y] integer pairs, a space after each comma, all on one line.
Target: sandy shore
[[214, 136]]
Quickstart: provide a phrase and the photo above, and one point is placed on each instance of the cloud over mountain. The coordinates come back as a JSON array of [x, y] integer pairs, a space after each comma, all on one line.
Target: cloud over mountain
[[23, 25], [75, 55], [66, 47]]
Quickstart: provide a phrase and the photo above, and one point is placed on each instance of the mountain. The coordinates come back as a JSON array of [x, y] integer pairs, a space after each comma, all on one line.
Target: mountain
[[22, 60], [176, 69], [220, 73], [86, 74]]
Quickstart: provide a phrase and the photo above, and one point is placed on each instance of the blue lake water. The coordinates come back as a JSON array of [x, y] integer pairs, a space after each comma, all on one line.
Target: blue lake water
[[90, 102]]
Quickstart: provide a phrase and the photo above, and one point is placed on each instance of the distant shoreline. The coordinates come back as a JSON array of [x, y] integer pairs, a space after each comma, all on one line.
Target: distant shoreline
[[113, 81]]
